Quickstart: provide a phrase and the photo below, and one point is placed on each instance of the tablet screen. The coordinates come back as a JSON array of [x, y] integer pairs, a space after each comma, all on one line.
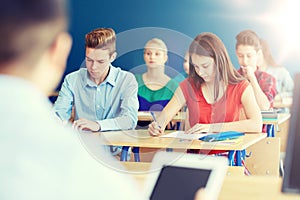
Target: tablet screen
[[179, 182]]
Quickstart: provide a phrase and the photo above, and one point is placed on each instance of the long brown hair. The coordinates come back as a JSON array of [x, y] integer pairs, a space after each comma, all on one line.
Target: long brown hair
[[208, 44], [267, 55]]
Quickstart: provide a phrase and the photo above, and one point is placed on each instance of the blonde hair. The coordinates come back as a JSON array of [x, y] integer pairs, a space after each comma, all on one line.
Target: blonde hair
[[156, 43]]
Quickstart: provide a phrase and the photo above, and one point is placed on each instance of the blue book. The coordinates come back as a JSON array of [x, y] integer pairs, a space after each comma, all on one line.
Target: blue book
[[228, 135]]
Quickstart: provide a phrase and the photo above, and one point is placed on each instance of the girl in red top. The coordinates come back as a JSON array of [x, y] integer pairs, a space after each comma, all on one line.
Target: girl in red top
[[215, 93]]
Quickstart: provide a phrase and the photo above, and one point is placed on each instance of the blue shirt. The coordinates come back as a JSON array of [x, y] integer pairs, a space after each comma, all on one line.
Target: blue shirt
[[113, 103]]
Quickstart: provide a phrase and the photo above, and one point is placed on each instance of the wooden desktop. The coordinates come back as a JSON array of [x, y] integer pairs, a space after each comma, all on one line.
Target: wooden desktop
[[235, 186], [141, 138]]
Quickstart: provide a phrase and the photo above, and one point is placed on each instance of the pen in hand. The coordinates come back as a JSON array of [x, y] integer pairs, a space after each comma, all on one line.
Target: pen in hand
[[58, 115], [154, 118], [64, 122]]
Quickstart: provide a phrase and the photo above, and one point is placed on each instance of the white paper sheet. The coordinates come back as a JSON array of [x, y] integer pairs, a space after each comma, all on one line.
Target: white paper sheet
[[182, 135]]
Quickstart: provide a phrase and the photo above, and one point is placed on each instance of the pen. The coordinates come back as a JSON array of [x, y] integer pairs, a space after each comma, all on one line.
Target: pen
[[58, 115], [154, 118], [64, 122]]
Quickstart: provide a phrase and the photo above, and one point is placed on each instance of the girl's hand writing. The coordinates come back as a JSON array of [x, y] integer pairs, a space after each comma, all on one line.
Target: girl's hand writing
[[154, 129]]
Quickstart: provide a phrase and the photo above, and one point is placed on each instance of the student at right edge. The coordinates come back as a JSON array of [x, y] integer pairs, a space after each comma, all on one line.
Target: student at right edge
[[248, 50]]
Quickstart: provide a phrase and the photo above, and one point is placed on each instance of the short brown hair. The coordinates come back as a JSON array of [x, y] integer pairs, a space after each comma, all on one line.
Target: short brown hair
[[101, 38], [249, 38]]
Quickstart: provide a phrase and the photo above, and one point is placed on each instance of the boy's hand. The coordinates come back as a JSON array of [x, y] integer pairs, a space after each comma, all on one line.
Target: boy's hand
[[86, 125]]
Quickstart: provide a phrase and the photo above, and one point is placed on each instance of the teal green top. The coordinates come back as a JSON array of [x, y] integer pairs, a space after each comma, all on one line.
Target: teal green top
[[154, 100]]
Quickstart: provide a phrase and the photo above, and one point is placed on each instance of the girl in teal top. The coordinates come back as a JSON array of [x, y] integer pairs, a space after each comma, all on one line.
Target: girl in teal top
[[154, 100], [155, 87]]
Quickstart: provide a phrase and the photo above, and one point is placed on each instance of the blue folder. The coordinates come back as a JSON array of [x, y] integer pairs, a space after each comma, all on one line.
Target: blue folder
[[228, 135]]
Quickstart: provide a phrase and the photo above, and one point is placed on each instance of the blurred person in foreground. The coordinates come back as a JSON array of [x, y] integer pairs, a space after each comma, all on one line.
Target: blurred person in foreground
[[41, 159]]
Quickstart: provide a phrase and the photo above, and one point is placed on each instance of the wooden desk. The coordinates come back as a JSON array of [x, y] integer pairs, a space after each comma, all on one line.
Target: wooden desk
[[146, 116], [140, 167], [282, 117], [181, 116], [286, 102], [234, 186], [254, 187], [141, 138], [272, 124]]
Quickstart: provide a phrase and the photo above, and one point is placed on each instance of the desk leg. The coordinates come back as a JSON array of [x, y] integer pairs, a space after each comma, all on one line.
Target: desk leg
[[136, 151], [270, 130], [231, 154], [124, 153], [238, 158], [178, 125]]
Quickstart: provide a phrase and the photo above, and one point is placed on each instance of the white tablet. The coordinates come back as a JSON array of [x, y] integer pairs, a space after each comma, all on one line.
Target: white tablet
[[179, 175]]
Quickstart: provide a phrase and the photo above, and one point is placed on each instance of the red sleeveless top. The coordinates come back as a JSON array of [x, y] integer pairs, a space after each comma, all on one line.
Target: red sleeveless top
[[226, 109]]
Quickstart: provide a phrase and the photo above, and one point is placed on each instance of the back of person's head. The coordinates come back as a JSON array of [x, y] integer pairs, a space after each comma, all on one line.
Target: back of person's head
[[101, 38], [248, 38], [210, 45], [267, 55], [156, 43], [28, 28]]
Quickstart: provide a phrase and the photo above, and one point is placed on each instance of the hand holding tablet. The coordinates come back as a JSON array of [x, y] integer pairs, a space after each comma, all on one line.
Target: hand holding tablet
[[180, 176]]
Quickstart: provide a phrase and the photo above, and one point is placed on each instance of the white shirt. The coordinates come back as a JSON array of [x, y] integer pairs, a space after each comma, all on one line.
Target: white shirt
[[284, 81], [40, 159]]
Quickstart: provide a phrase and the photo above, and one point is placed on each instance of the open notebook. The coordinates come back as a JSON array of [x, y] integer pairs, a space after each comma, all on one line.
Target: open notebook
[[179, 176]]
